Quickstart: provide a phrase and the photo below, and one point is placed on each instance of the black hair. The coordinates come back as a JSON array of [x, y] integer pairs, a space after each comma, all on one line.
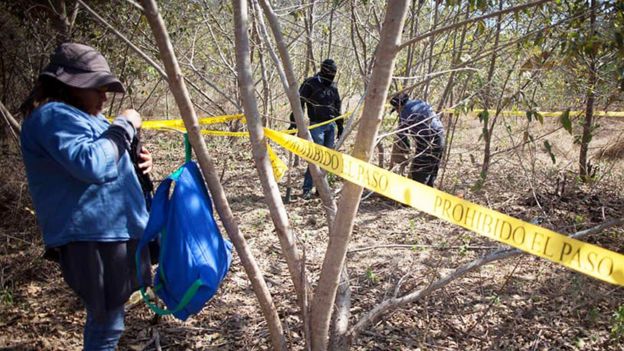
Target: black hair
[[46, 89]]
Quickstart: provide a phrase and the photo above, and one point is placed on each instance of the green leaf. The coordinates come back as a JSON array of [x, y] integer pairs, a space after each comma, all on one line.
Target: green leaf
[[565, 120], [480, 28], [549, 150], [539, 117], [297, 15], [484, 117]]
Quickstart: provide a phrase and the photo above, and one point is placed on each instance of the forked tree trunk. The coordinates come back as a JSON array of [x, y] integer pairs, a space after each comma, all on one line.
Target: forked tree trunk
[[488, 126], [180, 93], [64, 20], [259, 150], [340, 234]]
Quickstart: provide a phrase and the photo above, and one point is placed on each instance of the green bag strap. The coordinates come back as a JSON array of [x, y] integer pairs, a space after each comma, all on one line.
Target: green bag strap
[[188, 152], [188, 156], [186, 299]]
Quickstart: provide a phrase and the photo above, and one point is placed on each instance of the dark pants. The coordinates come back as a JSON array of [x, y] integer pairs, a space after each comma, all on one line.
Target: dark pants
[[103, 275], [424, 166]]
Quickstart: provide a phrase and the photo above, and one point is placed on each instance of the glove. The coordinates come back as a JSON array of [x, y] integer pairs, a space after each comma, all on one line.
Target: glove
[[340, 130]]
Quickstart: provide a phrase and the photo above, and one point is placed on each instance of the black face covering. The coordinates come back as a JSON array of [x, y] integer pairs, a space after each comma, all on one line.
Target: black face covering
[[327, 77], [328, 71]]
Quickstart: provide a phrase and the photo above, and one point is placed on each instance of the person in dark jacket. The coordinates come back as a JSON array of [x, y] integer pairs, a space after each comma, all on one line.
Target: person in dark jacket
[[85, 190], [320, 96], [417, 121]]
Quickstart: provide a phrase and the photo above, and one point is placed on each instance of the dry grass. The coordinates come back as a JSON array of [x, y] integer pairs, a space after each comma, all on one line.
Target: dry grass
[[614, 151]]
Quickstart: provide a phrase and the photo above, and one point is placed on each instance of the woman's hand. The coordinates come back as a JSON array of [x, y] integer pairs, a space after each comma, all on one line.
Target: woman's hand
[[133, 117], [146, 162]]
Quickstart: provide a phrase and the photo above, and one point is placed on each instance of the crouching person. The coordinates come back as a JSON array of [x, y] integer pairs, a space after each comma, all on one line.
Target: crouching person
[[417, 121]]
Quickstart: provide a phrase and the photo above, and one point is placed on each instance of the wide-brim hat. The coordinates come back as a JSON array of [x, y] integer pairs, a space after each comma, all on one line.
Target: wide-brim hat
[[81, 66], [398, 100]]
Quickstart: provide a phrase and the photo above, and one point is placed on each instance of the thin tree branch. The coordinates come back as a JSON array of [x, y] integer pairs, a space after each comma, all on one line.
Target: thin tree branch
[[475, 19]]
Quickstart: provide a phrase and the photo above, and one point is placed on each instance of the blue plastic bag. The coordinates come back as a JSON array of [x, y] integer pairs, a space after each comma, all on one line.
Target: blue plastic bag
[[194, 257]]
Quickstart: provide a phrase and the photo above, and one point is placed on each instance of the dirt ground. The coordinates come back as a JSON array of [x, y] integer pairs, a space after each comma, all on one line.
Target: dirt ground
[[523, 303]]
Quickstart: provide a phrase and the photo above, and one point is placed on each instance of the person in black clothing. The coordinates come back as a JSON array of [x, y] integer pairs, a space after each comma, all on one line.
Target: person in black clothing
[[418, 121], [320, 95]]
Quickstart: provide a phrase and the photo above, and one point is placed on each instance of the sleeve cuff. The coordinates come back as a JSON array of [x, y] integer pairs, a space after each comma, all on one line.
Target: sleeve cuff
[[126, 125]]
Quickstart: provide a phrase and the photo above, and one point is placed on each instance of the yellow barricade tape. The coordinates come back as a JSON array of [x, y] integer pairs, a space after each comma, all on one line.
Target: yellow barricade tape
[[294, 131], [279, 167], [224, 133], [547, 113], [178, 123], [583, 257]]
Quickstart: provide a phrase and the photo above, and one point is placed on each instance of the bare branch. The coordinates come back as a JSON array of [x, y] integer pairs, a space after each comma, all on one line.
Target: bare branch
[[122, 37]]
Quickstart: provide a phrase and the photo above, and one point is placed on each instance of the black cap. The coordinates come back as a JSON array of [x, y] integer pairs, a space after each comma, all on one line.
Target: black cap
[[81, 66], [329, 66], [398, 100]]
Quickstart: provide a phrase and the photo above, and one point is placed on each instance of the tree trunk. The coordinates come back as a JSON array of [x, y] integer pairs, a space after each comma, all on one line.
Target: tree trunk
[[63, 20], [263, 71], [178, 88], [487, 137], [331, 30], [325, 292], [584, 166], [411, 49], [272, 195], [430, 58], [338, 339], [458, 49], [309, 27], [318, 176]]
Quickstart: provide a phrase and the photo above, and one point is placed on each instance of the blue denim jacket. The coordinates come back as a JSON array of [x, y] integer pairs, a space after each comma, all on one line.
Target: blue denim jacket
[[79, 189]]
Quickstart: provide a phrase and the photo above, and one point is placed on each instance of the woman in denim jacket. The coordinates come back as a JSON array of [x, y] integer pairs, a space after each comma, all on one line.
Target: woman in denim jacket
[[87, 197]]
